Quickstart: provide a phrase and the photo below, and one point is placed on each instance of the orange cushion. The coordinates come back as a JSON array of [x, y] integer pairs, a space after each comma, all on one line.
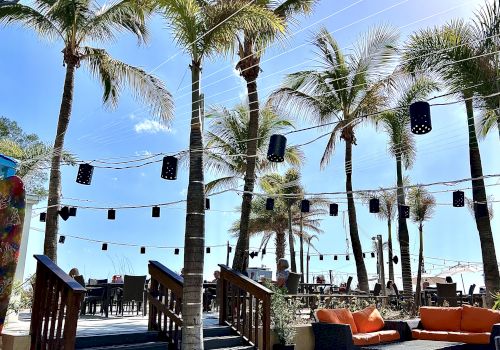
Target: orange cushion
[[388, 336], [338, 316], [362, 339], [441, 318], [469, 338], [368, 320], [477, 319], [429, 335]]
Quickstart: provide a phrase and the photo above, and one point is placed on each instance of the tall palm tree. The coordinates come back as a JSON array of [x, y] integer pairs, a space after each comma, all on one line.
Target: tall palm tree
[[250, 49], [438, 50], [76, 24], [226, 147], [422, 205], [403, 91], [203, 29], [343, 90]]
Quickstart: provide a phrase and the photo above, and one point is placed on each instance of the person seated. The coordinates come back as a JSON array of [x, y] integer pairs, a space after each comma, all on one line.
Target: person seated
[[73, 272], [449, 279], [390, 290], [282, 273], [320, 279]]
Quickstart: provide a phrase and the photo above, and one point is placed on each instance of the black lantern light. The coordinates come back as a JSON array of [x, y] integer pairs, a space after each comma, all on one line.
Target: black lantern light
[[72, 211], [43, 217], [481, 210], [253, 254], [334, 209], [320, 257], [276, 150], [169, 168], [305, 206], [364, 255], [395, 259], [335, 257], [104, 246], [373, 254], [155, 212], [208, 250], [420, 118], [404, 211], [347, 257], [85, 172], [458, 199], [270, 204], [229, 249], [207, 203], [374, 205], [143, 250], [64, 213], [176, 251], [263, 251], [62, 239], [111, 214]]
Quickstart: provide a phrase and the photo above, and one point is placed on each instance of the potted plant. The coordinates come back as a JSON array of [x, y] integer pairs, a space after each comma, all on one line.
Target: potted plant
[[283, 319]]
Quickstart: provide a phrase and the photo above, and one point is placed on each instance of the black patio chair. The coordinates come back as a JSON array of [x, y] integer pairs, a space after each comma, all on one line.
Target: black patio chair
[[469, 298], [448, 292], [93, 295], [377, 289], [348, 285], [133, 293], [292, 282]]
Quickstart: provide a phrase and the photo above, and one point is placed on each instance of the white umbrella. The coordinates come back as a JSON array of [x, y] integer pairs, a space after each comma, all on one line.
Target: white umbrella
[[429, 278]]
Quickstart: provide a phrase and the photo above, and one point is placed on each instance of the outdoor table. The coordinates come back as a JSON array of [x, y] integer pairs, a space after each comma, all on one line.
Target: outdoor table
[[418, 345], [108, 287]]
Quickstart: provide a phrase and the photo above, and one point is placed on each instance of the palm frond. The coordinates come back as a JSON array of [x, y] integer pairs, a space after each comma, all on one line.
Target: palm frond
[[31, 19], [222, 183]]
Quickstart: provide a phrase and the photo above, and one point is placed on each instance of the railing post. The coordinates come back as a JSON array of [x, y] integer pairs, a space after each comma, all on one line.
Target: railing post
[[266, 322], [223, 300], [73, 309]]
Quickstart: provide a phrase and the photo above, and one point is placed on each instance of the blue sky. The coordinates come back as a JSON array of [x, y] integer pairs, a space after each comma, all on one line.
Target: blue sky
[[31, 76]]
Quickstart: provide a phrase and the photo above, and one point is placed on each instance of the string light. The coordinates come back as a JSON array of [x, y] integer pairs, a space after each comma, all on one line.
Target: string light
[[43, 217], [64, 213], [155, 212], [84, 175], [111, 214], [62, 239], [104, 246], [143, 250]]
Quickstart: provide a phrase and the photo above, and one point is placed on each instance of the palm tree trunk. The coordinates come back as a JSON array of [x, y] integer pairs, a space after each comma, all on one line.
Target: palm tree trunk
[[52, 221], [301, 249], [250, 75], [420, 263], [194, 241], [389, 243], [490, 265], [293, 265], [353, 225], [404, 237], [280, 245]]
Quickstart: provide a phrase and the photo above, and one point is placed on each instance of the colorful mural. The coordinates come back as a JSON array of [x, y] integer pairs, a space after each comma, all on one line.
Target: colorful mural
[[12, 205]]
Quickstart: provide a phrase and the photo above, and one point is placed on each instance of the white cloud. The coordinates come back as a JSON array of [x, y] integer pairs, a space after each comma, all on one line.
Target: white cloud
[[152, 127], [143, 153]]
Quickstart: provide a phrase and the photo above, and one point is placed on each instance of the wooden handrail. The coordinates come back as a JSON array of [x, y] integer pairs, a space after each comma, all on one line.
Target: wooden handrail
[[165, 303], [240, 302], [56, 306]]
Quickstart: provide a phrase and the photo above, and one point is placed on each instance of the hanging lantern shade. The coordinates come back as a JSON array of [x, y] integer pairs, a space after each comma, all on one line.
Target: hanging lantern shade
[[334, 209], [481, 210], [169, 168], [43, 217], [305, 206], [253, 254], [373, 254], [404, 211], [143, 250], [264, 251], [270, 204], [347, 257], [420, 118], [84, 175], [276, 150], [62, 239], [207, 203], [320, 257], [458, 199], [72, 211], [208, 250], [176, 251], [155, 212], [374, 205], [335, 257], [395, 259], [64, 213], [230, 249], [104, 246], [364, 255], [111, 214]]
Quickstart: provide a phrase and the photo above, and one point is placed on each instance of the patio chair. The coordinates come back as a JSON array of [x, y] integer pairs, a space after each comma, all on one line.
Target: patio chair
[[292, 283], [133, 292], [377, 289], [469, 298], [448, 292], [348, 285], [93, 295]]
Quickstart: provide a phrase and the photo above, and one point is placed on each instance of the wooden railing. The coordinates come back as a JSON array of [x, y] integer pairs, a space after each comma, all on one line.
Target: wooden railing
[[56, 306], [246, 306], [165, 303]]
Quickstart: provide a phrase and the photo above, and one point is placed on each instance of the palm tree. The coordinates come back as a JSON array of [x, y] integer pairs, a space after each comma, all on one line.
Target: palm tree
[[343, 90], [451, 51], [227, 135], [403, 91], [204, 28], [422, 205], [251, 47], [77, 24]]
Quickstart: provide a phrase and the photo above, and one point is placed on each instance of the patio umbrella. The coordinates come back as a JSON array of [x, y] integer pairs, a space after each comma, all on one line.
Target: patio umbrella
[[429, 278], [459, 269]]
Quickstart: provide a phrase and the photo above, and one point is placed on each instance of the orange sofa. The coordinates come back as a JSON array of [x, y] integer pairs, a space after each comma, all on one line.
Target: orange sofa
[[341, 329], [466, 324]]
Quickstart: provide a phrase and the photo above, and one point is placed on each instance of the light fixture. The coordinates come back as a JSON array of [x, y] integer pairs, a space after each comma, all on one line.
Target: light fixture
[[276, 150], [207, 203], [334, 209], [84, 175], [404, 211], [169, 168], [305, 206], [143, 250], [43, 217], [347, 257], [373, 254], [395, 259], [176, 251], [364, 255], [374, 205], [253, 254], [208, 250], [229, 249], [64, 213], [111, 214], [320, 257], [335, 257], [62, 239], [263, 251], [481, 210], [458, 199], [269, 203], [104, 246], [155, 212], [420, 118], [72, 211]]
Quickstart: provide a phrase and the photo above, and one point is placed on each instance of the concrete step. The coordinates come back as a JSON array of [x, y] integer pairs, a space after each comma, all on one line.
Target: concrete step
[[223, 342], [115, 339], [136, 346], [217, 331]]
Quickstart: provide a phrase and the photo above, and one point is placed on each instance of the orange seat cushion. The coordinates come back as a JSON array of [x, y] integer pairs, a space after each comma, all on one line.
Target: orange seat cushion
[[362, 339], [479, 320], [388, 336], [338, 316], [429, 335], [441, 318], [368, 320], [469, 338]]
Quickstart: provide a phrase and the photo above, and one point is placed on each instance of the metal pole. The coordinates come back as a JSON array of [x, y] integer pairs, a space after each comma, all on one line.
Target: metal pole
[[381, 263], [227, 256]]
